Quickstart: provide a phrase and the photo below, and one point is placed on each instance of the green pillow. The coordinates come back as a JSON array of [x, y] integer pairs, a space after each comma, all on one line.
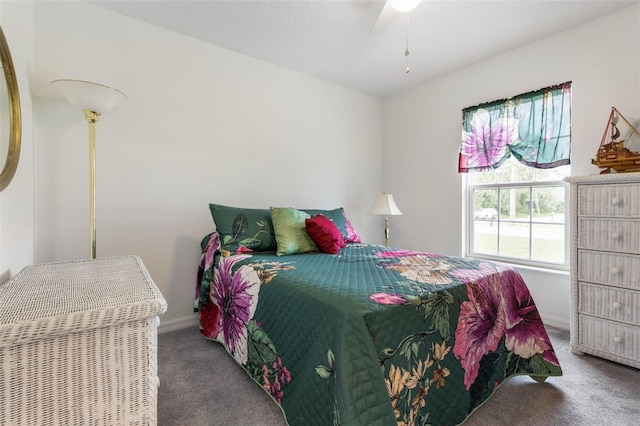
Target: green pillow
[[339, 217], [291, 233], [243, 230]]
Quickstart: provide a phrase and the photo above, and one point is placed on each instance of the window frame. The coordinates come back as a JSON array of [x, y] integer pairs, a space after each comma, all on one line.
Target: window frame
[[469, 211]]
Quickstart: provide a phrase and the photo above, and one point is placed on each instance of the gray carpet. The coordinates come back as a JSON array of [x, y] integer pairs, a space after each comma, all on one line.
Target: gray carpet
[[200, 384]]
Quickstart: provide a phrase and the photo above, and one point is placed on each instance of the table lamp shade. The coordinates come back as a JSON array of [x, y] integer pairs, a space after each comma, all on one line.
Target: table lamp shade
[[89, 96], [385, 205]]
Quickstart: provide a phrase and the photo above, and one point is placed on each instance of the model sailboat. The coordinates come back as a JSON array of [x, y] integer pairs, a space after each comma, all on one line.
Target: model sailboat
[[614, 154]]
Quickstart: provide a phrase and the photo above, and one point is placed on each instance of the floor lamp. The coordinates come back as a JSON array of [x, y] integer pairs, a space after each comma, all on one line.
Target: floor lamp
[[94, 99], [385, 205]]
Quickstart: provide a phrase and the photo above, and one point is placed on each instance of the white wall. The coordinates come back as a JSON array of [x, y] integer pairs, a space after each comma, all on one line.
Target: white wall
[[201, 124], [17, 205], [422, 127]]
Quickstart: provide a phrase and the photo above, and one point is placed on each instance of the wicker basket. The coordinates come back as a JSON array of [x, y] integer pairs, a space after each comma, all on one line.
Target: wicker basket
[[78, 344]]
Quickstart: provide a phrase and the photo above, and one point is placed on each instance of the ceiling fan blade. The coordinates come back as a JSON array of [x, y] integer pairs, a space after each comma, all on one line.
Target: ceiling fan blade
[[384, 19]]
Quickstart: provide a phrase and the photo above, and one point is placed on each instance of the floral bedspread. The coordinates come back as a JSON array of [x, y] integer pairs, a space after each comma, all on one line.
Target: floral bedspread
[[373, 335]]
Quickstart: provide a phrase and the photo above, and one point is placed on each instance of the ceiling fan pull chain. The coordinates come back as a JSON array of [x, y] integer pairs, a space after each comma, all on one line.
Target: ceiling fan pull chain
[[406, 52]]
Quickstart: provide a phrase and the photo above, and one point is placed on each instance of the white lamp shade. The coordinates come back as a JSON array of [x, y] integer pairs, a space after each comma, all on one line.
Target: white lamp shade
[[89, 96], [404, 5], [385, 205]]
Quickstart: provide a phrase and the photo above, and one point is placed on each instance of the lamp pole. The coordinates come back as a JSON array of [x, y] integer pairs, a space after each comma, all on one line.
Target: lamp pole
[[92, 119], [386, 230]]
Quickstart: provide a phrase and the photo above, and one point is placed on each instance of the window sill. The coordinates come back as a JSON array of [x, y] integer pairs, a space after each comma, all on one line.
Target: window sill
[[562, 272], [560, 269]]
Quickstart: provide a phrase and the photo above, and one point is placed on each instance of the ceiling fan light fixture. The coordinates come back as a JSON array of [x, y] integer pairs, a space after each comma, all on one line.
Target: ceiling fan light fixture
[[404, 5]]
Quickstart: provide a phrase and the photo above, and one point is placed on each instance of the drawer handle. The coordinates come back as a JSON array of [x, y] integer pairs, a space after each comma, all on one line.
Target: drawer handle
[[616, 235], [617, 339], [616, 201], [615, 270], [617, 305]]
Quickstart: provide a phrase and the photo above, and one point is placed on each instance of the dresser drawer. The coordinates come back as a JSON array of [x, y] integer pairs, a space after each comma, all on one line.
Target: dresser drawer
[[609, 200], [609, 235], [609, 302], [610, 337], [620, 270]]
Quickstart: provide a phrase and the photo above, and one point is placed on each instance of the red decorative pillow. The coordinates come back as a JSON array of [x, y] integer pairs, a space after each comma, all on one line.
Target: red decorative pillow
[[325, 234]]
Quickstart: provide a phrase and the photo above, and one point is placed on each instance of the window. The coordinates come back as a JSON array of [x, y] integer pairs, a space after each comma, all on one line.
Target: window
[[516, 154], [517, 213]]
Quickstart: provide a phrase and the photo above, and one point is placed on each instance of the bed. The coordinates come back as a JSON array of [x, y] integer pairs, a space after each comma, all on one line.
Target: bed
[[370, 335]]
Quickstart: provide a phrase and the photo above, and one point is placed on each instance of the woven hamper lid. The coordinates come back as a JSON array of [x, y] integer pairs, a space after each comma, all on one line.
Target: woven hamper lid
[[61, 297]]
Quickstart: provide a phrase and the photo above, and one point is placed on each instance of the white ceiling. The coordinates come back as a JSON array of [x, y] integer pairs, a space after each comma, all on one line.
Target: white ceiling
[[331, 39]]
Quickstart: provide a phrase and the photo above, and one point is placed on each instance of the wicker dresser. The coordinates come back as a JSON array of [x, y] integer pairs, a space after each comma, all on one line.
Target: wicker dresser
[[78, 344], [605, 266]]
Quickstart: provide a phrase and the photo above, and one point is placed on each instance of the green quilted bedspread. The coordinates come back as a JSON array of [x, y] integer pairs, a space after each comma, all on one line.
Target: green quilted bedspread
[[373, 335]]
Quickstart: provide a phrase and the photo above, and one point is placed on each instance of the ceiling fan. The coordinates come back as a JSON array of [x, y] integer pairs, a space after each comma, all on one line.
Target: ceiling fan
[[390, 10]]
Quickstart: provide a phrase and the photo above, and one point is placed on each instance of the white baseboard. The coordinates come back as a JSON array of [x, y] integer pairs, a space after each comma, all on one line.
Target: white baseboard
[[177, 324], [557, 322]]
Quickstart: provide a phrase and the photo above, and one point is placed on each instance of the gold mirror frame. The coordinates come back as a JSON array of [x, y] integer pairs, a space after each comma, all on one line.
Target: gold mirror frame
[[15, 120]]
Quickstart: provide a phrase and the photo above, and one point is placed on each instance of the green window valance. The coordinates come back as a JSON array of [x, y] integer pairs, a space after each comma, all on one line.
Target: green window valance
[[534, 127]]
